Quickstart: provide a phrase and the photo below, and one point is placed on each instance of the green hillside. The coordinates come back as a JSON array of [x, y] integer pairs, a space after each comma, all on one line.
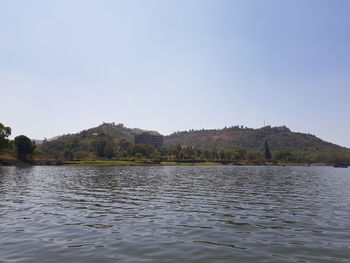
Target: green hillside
[[235, 143], [279, 138], [282, 141], [101, 141]]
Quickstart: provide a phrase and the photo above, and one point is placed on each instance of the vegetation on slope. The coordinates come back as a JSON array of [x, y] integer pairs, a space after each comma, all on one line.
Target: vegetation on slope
[[284, 144], [111, 144], [103, 142]]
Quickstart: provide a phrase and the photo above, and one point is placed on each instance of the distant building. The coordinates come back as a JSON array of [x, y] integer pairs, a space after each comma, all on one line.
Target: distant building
[[187, 147], [148, 138]]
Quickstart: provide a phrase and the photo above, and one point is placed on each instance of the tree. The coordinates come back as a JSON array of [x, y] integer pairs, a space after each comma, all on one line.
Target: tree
[[4, 133], [241, 154], [125, 147], [24, 146], [255, 156], [109, 150], [283, 155], [267, 151], [104, 148], [144, 149], [68, 155]]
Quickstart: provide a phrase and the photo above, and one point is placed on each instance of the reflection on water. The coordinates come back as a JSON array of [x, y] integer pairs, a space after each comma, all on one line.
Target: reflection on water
[[174, 214]]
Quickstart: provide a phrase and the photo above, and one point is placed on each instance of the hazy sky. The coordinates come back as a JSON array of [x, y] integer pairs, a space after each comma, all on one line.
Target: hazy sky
[[165, 65]]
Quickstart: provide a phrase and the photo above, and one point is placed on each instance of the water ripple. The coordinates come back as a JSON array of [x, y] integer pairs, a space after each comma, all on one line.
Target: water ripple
[[174, 214]]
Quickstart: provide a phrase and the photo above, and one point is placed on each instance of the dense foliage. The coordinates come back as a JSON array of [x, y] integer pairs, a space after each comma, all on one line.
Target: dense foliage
[[235, 144], [5, 132], [110, 141], [105, 141], [21, 148], [24, 146]]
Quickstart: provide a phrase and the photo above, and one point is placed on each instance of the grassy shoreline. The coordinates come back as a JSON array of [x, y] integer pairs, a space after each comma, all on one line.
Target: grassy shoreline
[[12, 161], [174, 163], [134, 163]]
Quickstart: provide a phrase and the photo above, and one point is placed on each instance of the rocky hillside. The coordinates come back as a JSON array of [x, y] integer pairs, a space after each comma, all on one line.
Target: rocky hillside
[[238, 137]]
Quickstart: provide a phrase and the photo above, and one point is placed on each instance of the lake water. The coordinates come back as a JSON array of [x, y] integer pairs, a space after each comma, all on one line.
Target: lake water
[[174, 214]]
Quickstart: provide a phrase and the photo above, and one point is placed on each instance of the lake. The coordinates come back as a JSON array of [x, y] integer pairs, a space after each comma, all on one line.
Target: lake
[[174, 214]]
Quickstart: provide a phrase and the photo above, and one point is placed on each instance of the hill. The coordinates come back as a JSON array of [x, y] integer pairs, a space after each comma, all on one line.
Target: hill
[[284, 144], [111, 140], [101, 141], [238, 137]]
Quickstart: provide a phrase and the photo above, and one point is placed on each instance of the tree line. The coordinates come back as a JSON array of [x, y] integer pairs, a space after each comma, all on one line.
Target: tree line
[[21, 146], [107, 148], [85, 146]]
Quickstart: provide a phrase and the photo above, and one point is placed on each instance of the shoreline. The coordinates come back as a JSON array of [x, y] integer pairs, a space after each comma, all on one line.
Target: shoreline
[[101, 163]]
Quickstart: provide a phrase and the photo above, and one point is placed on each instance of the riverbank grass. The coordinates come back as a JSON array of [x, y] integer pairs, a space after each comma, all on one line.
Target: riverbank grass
[[132, 163]]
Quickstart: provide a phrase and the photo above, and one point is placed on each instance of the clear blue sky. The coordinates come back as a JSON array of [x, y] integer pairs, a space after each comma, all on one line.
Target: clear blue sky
[[175, 65]]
